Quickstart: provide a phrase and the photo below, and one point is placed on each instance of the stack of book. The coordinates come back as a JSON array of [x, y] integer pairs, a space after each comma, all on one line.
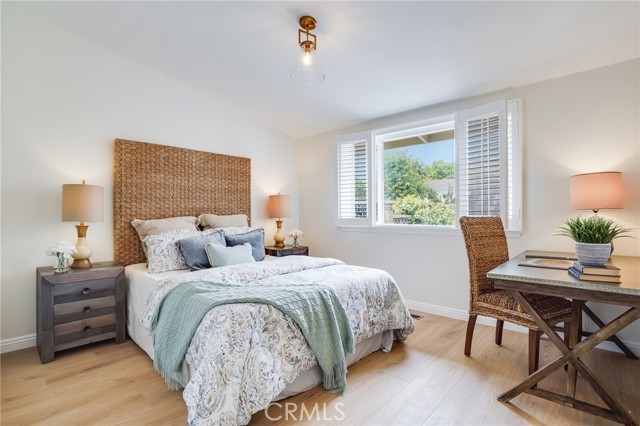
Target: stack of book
[[605, 273]]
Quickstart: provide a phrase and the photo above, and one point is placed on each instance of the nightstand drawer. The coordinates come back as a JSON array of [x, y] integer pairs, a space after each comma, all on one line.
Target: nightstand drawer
[[73, 311], [72, 292], [84, 328]]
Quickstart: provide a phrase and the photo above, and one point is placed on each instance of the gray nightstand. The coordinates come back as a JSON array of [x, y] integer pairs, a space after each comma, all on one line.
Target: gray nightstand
[[287, 250], [79, 307]]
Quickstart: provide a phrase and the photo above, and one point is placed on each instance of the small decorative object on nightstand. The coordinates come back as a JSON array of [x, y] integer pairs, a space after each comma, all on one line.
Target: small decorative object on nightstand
[[296, 234], [287, 250], [63, 251], [80, 307]]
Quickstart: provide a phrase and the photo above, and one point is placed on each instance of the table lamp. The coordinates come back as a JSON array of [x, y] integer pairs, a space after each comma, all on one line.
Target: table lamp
[[82, 203], [595, 191], [279, 206]]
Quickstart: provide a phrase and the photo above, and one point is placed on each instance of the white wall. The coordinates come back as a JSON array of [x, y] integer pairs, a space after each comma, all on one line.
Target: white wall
[[581, 123], [64, 101]]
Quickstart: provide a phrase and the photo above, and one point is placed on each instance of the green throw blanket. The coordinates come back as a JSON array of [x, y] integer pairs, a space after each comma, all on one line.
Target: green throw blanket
[[315, 308]]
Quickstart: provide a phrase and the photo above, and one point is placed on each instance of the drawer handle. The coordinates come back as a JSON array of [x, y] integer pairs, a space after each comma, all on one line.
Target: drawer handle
[[86, 290], [87, 328], [86, 310]]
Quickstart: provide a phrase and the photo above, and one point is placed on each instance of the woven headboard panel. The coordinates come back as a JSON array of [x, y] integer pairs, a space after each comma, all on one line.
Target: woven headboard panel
[[156, 181]]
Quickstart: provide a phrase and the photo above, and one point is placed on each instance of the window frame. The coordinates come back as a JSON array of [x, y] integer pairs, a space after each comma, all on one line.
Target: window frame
[[511, 114]]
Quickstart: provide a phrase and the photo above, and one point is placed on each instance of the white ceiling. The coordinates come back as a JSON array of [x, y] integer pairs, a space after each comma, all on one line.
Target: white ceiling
[[380, 58]]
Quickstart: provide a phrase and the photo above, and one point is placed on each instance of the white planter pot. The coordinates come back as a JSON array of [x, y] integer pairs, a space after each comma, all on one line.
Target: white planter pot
[[593, 254]]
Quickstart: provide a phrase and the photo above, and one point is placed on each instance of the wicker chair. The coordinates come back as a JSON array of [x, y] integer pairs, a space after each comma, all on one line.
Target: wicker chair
[[487, 248]]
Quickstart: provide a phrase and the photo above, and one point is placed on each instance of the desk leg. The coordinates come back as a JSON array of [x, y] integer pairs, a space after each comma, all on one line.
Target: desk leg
[[574, 331], [624, 348], [617, 411]]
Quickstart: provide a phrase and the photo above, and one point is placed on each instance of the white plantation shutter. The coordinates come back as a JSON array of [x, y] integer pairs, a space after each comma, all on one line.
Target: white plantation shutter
[[354, 201], [482, 171]]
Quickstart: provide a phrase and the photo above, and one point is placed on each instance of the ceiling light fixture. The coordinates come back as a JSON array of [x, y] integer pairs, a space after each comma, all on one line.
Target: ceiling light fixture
[[307, 70]]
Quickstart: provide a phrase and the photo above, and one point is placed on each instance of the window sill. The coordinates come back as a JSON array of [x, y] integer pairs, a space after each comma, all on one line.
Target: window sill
[[415, 229]]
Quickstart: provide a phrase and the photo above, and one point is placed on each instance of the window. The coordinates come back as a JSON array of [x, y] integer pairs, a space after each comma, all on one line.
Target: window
[[416, 173], [428, 174]]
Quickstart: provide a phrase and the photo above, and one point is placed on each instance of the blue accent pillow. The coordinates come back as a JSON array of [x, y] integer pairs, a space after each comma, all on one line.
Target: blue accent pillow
[[254, 237], [193, 249], [220, 255]]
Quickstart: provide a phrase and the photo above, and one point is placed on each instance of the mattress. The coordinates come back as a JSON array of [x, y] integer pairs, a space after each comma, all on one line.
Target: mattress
[[139, 285]]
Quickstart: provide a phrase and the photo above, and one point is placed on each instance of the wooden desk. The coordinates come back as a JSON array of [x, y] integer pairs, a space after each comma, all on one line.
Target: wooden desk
[[552, 282]]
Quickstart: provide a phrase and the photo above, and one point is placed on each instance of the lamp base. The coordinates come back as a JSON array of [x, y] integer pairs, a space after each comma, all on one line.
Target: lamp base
[[81, 264], [279, 235], [83, 251]]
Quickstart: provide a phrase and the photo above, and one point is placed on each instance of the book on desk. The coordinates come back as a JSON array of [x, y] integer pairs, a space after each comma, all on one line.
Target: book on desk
[[605, 273], [606, 269]]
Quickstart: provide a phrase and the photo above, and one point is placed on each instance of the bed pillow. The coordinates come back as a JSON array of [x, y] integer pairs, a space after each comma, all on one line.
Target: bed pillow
[[193, 248], [163, 253], [145, 228], [234, 230], [254, 237], [220, 255], [208, 221]]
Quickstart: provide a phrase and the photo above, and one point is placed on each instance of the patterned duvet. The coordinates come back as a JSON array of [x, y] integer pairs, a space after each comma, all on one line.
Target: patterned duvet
[[242, 356]]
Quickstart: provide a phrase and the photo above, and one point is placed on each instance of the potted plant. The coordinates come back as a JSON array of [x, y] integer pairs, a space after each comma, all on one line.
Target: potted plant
[[593, 236]]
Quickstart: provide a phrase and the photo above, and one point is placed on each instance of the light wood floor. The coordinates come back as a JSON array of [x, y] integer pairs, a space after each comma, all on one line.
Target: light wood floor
[[427, 380]]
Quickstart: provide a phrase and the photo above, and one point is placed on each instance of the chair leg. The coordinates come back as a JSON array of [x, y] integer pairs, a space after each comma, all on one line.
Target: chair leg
[[534, 350], [499, 326], [470, 326]]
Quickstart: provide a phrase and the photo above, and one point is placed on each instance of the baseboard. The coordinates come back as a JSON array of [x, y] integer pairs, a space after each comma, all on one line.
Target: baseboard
[[17, 343], [463, 315]]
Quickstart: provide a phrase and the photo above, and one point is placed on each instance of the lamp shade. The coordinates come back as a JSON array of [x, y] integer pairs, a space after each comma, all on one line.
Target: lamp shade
[[595, 191], [279, 206], [82, 203], [308, 69]]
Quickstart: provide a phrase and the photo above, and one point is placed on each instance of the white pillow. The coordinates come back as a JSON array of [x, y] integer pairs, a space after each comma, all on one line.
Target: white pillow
[[145, 228], [208, 221], [235, 230], [220, 255], [163, 253]]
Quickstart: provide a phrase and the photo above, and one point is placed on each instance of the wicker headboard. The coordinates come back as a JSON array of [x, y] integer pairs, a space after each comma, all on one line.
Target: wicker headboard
[[156, 181]]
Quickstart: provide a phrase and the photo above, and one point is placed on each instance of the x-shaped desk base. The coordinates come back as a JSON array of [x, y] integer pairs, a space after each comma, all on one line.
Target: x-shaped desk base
[[572, 356]]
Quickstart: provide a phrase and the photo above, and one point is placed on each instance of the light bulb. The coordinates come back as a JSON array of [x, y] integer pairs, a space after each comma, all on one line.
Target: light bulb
[[306, 58], [307, 70]]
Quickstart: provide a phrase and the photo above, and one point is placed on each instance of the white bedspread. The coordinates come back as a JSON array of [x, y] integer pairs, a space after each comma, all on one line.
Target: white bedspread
[[242, 356]]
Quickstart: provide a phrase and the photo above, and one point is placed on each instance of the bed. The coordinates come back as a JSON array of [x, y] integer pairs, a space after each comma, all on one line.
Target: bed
[[242, 356]]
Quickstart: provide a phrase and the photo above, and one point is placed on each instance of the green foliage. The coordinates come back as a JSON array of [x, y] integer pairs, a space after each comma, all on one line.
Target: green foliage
[[405, 182], [424, 212], [409, 205], [594, 230], [404, 175], [432, 194], [361, 191], [438, 214], [440, 169]]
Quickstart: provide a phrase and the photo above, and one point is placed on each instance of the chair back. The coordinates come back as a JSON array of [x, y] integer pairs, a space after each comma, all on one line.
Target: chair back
[[487, 248]]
